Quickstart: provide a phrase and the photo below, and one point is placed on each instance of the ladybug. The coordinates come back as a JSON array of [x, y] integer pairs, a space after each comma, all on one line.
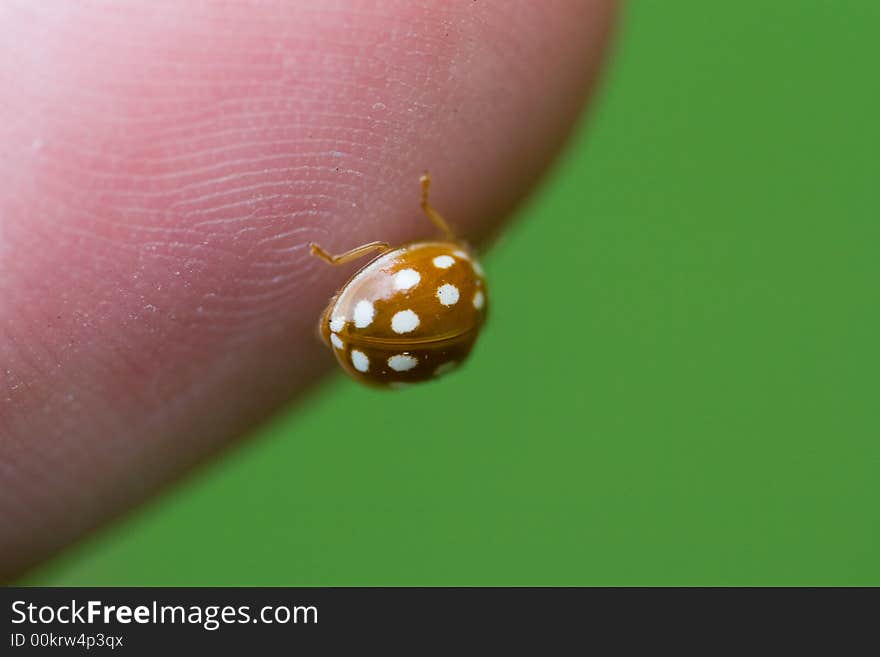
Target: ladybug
[[409, 315]]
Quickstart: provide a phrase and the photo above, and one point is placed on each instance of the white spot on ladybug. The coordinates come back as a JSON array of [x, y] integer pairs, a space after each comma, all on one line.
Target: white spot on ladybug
[[461, 254], [336, 341], [406, 278], [445, 368], [404, 321], [443, 261], [477, 268], [448, 294], [363, 314], [402, 362], [337, 324], [479, 300], [359, 360]]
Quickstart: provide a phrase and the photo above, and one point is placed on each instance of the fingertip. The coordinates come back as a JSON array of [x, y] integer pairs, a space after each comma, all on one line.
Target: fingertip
[[164, 180]]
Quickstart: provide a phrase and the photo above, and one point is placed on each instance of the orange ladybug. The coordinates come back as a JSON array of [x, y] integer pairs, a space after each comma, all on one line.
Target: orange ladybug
[[411, 314]]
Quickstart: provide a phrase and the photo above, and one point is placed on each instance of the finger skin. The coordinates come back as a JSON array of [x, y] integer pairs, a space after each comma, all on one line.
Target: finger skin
[[163, 169]]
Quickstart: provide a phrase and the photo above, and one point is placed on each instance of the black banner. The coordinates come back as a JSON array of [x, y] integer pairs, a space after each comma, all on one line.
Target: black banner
[[172, 620]]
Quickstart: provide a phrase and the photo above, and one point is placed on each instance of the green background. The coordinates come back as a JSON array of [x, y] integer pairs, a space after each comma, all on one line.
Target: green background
[[679, 384]]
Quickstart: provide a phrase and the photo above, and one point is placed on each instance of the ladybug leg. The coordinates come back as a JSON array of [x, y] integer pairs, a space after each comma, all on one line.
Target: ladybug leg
[[433, 215], [348, 256]]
